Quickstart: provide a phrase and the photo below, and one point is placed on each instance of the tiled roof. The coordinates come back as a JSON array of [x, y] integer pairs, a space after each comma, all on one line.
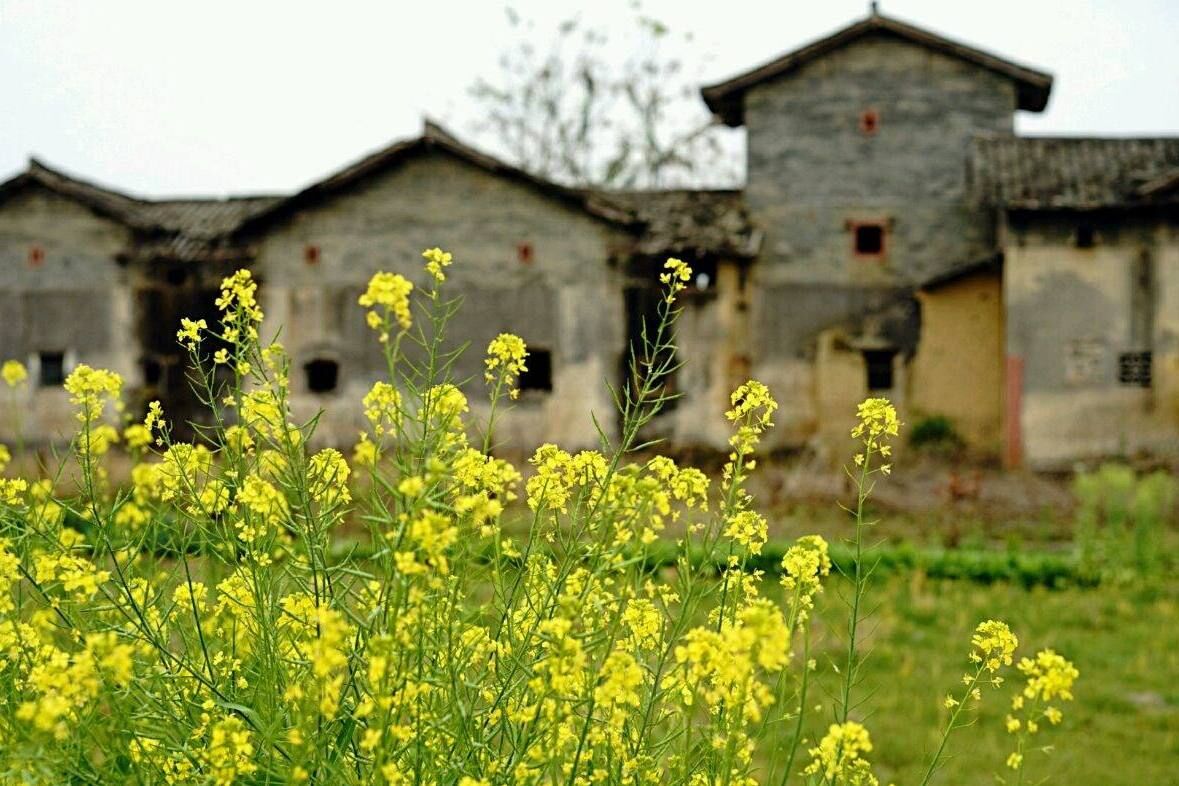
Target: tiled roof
[[433, 137], [104, 201], [179, 228], [1040, 173], [196, 229], [727, 99], [204, 218], [690, 222]]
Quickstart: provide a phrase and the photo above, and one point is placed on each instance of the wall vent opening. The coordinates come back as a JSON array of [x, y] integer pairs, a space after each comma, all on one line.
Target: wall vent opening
[[323, 375], [51, 369], [878, 363], [1134, 369], [869, 240], [869, 122], [539, 375]]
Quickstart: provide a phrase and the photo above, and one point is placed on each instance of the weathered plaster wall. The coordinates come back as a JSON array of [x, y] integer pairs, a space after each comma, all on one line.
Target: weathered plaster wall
[[74, 301], [1071, 312], [840, 384], [812, 171], [713, 342], [567, 299], [958, 369]]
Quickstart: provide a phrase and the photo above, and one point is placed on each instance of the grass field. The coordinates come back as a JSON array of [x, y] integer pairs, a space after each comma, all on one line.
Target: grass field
[[1123, 727]]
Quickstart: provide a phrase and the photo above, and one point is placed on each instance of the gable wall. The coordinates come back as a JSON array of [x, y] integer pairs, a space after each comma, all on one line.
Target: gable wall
[[567, 300], [74, 302], [811, 168]]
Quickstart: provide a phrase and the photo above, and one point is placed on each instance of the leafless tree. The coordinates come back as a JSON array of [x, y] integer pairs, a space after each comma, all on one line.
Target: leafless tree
[[573, 111]]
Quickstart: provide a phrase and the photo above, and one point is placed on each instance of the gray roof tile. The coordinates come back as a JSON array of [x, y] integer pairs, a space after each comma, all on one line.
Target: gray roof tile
[[1044, 173]]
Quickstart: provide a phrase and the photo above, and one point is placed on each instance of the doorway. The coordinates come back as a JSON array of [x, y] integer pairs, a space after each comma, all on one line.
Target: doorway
[[166, 292]]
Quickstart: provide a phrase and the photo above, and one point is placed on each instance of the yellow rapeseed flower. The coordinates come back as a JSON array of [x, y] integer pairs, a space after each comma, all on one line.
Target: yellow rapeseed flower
[[391, 292], [838, 756], [676, 278], [91, 389], [993, 645], [14, 373], [505, 355], [437, 261]]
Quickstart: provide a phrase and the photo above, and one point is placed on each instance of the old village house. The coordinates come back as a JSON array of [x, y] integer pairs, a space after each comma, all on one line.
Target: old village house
[[894, 237]]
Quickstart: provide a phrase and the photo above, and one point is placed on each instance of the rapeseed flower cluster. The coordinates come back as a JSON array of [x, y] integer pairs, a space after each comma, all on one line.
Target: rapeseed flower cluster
[[437, 261], [804, 566], [838, 758], [387, 297], [676, 279], [1049, 681], [877, 423], [14, 373], [251, 608], [91, 390], [505, 360]]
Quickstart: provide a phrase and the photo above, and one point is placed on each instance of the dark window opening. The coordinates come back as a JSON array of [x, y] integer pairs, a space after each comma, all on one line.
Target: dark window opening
[[322, 375], [153, 372], [869, 239], [1134, 369], [176, 276], [311, 254], [642, 316], [1085, 237], [878, 363], [539, 375], [52, 369]]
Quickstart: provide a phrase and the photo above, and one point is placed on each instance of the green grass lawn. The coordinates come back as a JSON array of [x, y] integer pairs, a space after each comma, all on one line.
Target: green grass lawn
[[1123, 727]]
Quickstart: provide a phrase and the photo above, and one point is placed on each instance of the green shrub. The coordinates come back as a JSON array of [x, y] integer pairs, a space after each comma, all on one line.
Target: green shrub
[[935, 432]]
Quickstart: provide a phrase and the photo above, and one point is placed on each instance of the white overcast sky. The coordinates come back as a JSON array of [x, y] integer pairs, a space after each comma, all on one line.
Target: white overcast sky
[[164, 98]]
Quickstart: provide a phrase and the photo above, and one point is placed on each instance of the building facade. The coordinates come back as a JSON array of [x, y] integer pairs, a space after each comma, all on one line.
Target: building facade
[[895, 237]]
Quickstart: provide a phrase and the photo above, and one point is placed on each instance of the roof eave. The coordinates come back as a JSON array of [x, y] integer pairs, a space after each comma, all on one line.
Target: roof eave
[[103, 201], [435, 137]]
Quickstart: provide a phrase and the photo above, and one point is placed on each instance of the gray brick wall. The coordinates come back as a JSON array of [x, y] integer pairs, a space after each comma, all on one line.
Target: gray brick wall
[[75, 301], [567, 299], [812, 170]]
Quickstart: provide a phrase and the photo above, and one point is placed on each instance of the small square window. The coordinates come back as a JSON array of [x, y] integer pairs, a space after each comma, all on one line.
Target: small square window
[[869, 240], [878, 364], [539, 375], [1134, 369], [323, 375], [1085, 237], [52, 369]]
